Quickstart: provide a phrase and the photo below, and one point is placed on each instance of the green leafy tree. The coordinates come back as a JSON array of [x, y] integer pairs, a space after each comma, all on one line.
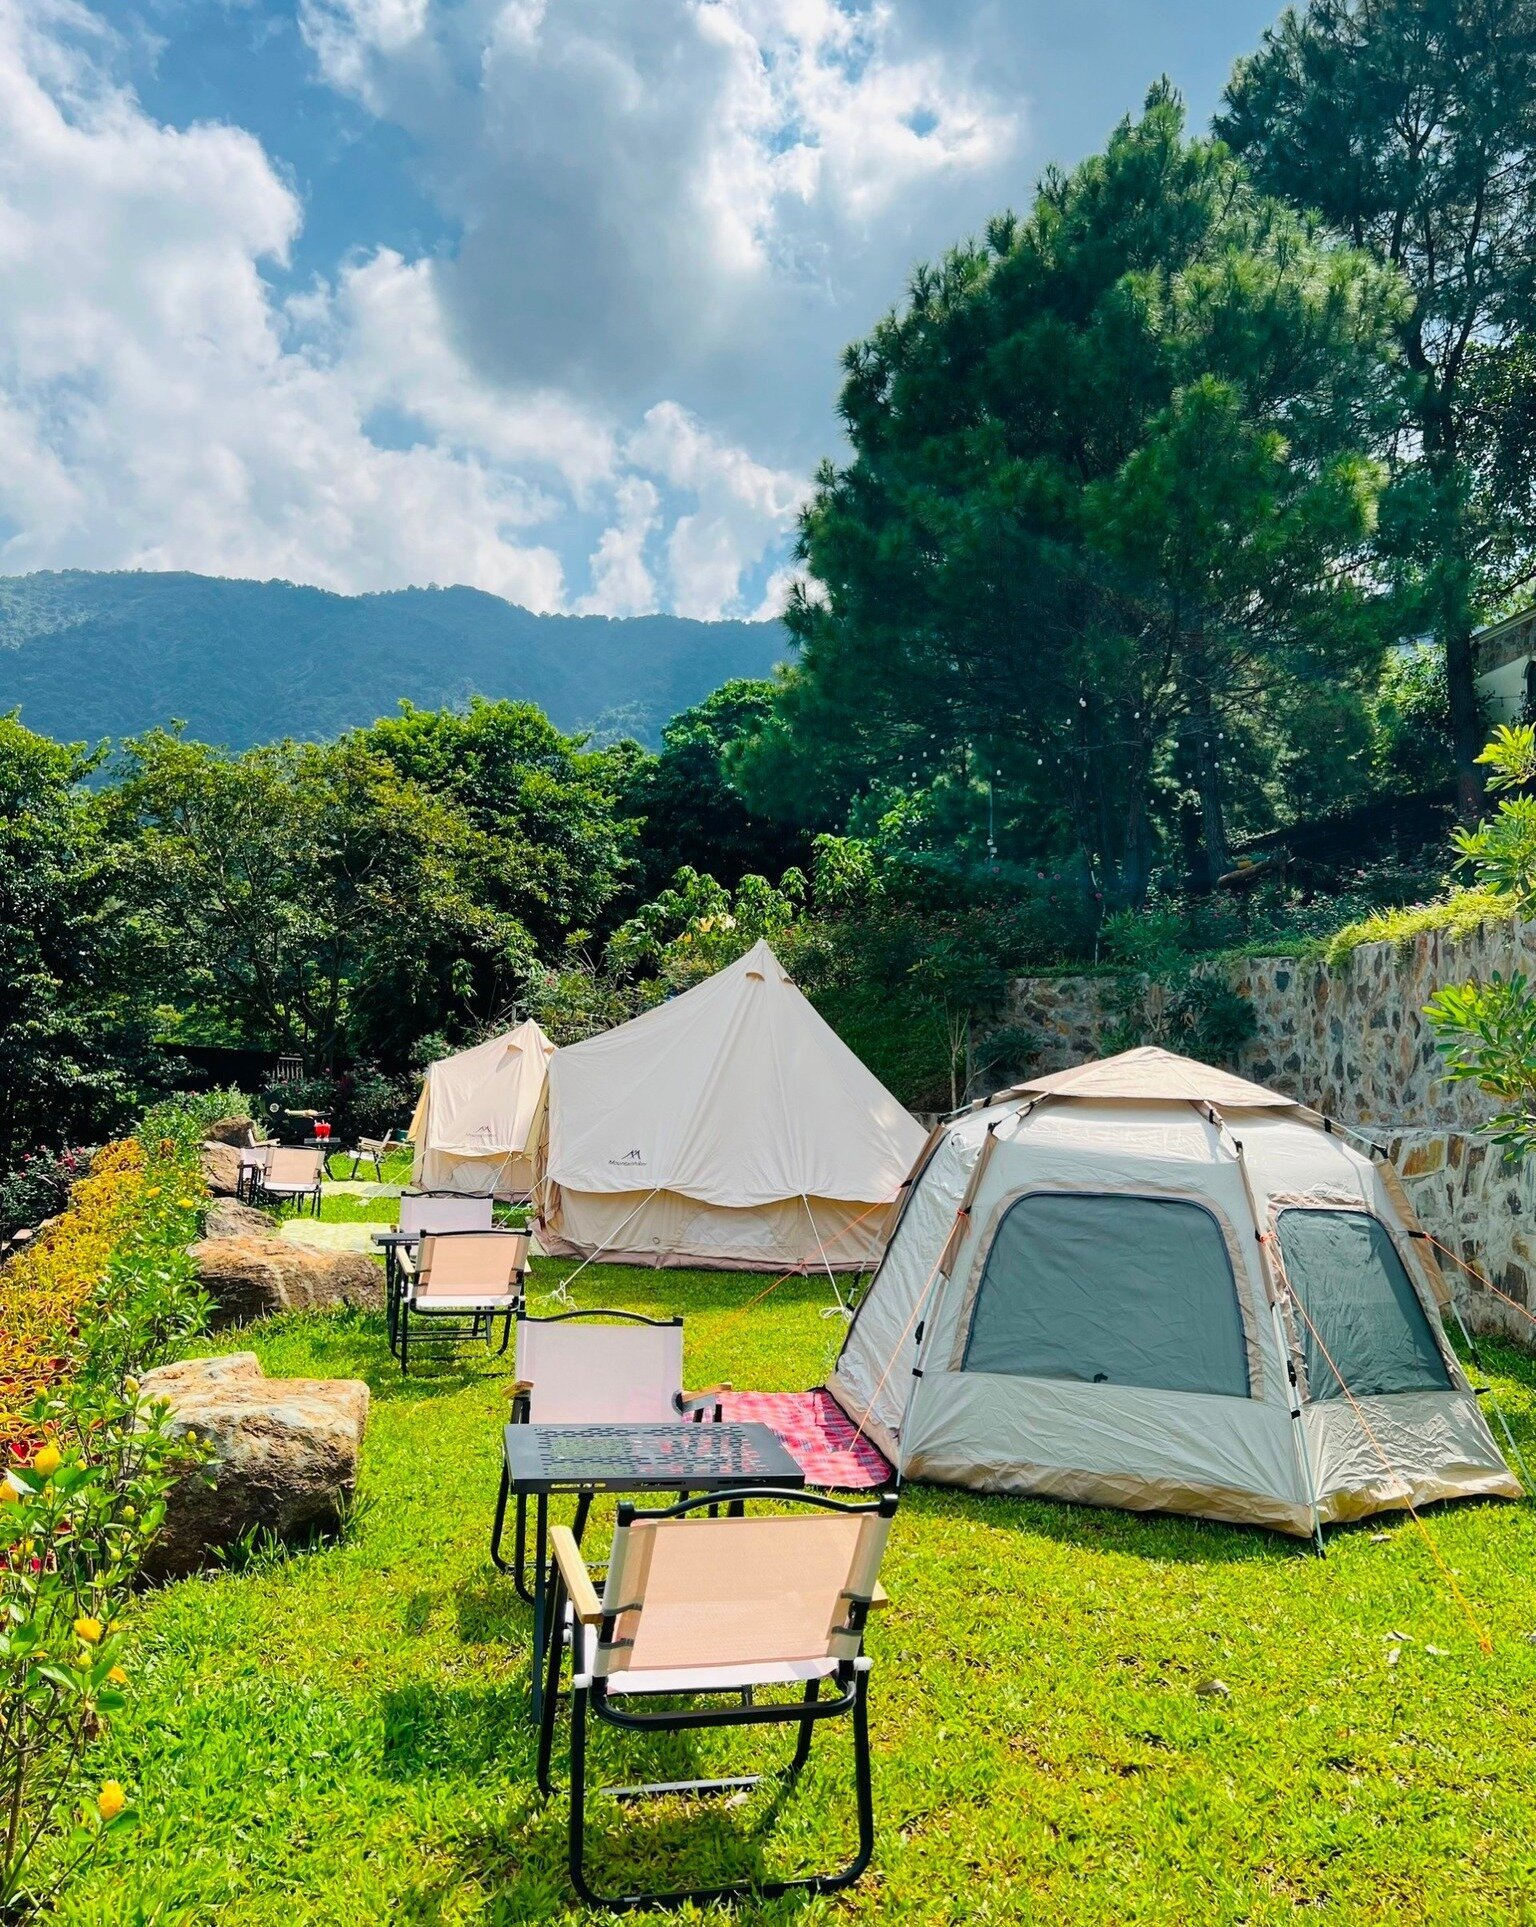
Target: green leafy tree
[[696, 926], [547, 799], [691, 815], [1487, 1031], [1501, 851], [1108, 492], [1410, 126], [78, 965], [324, 903]]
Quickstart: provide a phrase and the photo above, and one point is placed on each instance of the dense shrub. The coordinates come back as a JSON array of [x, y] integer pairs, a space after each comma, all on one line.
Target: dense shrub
[[39, 1187], [104, 1292]]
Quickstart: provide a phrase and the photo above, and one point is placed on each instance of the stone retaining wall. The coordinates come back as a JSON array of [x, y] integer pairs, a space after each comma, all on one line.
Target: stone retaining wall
[[1350, 1040]]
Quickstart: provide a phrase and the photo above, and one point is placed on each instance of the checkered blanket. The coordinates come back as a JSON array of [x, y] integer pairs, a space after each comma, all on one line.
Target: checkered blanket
[[817, 1433]]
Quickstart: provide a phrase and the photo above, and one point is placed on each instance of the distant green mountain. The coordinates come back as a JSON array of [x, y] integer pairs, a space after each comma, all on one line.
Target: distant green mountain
[[88, 655]]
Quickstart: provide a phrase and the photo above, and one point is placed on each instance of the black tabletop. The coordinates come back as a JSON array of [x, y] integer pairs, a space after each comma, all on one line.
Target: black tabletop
[[395, 1237], [680, 1457]]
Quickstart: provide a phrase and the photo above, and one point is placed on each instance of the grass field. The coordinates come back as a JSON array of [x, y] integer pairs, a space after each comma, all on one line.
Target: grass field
[[343, 1735]]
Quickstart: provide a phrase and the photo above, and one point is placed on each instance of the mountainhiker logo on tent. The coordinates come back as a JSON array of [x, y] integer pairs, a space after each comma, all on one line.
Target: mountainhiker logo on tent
[[631, 1158]]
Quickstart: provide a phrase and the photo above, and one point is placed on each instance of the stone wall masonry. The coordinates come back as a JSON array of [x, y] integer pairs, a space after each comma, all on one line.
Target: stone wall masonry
[[1350, 1039]]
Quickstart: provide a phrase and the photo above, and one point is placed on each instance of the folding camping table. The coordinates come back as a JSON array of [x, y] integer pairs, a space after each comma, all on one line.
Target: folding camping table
[[539, 1460]]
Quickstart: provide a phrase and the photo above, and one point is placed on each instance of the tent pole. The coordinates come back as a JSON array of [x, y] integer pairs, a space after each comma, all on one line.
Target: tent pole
[[1299, 1427], [1282, 1344]]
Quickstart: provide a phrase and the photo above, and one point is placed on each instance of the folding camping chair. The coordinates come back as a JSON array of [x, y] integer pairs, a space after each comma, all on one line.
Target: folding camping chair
[[698, 1607], [460, 1283], [374, 1150], [574, 1370], [253, 1162], [419, 1212], [291, 1172]]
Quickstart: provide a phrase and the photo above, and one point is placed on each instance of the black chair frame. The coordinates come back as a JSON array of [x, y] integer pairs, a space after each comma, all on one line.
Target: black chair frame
[[517, 1566], [452, 1328], [592, 1700]]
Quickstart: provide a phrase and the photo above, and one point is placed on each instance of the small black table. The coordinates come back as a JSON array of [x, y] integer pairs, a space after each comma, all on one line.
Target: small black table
[[686, 1456], [328, 1148]]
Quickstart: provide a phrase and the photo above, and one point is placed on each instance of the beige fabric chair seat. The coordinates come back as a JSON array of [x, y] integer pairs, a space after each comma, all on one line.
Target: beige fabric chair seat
[[472, 1301], [707, 1679]]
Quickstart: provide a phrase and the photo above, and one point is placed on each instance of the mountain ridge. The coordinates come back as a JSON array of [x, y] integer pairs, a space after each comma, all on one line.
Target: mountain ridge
[[94, 653]]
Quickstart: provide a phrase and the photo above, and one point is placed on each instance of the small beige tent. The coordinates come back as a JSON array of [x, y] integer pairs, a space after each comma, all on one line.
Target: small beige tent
[[729, 1127], [474, 1115], [1147, 1283]]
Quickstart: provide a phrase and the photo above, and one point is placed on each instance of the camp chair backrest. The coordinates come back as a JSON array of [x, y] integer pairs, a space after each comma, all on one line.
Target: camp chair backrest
[[292, 1165], [586, 1373], [445, 1214], [253, 1157], [724, 1592], [465, 1264]]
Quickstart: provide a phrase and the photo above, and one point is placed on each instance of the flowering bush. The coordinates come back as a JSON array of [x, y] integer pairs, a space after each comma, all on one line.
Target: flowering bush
[[39, 1187], [107, 1290]]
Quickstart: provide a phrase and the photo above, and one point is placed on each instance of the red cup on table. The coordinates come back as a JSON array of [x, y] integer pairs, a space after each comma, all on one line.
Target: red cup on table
[[322, 1131]]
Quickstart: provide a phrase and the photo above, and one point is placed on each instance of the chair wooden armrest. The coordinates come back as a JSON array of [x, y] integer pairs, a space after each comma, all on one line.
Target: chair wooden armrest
[[879, 1597], [585, 1603], [705, 1397], [405, 1261], [520, 1388]]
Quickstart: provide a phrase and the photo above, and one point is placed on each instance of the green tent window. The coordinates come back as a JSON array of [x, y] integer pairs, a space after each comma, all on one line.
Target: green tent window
[[1110, 1290], [1364, 1320]]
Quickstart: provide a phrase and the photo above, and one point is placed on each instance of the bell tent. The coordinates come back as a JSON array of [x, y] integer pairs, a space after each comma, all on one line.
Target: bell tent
[[474, 1115], [1147, 1283], [730, 1127]]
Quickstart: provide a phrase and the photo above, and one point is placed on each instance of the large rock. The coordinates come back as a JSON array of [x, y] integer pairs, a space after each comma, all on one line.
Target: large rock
[[228, 1218], [283, 1456], [255, 1277], [221, 1169], [231, 1130]]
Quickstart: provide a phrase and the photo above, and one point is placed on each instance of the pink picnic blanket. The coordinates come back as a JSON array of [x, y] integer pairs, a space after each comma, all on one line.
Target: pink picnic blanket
[[817, 1433]]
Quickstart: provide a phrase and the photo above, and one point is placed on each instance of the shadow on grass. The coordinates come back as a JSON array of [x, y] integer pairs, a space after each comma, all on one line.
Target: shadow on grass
[[1144, 1535], [664, 1293], [668, 1843], [351, 1343], [488, 1608]]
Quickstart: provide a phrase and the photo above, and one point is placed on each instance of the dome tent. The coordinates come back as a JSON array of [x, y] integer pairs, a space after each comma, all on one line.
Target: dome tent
[[1099, 1288], [730, 1127], [474, 1115]]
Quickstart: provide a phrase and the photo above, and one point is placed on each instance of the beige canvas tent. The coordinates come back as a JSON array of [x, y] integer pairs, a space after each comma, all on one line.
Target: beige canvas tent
[[474, 1115], [1100, 1285], [728, 1127]]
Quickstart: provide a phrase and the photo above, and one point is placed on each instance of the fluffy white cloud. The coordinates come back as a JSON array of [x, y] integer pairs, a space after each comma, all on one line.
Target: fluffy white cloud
[[746, 508], [162, 411], [622, 584], [601, 397], [690, 200]]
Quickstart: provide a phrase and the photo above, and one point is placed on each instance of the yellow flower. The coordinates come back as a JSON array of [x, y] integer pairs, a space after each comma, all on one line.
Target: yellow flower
[[90, 1630], [152, 1191], [131, 1387], [187, 1204], [111, 1800], [48, 1461], [8, 1493], [117, 1676]]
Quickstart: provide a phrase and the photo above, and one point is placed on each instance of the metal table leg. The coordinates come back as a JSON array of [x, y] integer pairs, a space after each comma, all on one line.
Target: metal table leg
[[540, 1598]]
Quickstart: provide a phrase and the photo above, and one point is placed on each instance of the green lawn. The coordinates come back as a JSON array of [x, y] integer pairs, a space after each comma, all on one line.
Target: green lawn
[[343, 1735]]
